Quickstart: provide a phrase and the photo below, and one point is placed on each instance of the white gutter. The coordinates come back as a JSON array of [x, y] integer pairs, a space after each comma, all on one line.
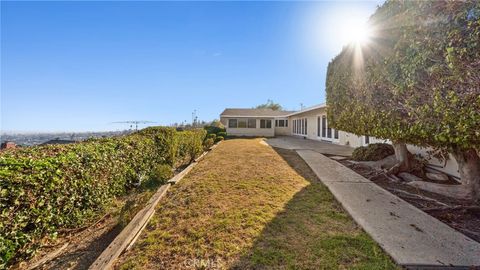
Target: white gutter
[[253, 116], [319, 106]]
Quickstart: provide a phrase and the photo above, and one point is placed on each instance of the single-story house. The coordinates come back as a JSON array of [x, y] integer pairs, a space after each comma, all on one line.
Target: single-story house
[[310, 123], [255, 122]]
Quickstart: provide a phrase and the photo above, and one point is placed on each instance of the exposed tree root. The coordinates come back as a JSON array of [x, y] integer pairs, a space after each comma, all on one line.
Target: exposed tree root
[[416, 196], [461, 192], [457, 207]]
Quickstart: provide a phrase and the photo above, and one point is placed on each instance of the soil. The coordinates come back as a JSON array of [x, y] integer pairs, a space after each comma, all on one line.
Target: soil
[[84, 246], [461, 215]]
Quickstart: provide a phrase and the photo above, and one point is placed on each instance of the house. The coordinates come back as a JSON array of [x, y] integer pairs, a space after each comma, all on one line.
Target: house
[[309, 123], [255, 122], [8, 145]]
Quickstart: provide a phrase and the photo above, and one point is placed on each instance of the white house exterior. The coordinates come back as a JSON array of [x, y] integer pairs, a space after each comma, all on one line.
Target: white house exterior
[[310, 123], [255, 122]]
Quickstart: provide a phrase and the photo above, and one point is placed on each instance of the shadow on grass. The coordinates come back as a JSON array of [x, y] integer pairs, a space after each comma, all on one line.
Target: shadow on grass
[[312, 232]]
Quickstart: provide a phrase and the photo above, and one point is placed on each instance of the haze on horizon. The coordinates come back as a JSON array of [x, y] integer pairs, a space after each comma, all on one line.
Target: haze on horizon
[[79, 66]]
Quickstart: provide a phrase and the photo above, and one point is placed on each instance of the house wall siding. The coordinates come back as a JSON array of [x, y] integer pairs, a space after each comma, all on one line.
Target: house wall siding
[[344, 138], [352, 140], [249, 132]]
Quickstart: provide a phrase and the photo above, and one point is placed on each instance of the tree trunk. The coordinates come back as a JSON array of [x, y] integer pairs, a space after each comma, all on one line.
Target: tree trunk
[[469, 169], [403, 157]]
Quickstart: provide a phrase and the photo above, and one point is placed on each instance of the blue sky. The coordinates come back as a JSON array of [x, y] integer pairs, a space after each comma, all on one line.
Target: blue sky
[[78, 66]]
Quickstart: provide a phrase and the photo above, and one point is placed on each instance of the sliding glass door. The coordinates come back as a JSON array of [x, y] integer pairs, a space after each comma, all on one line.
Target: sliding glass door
[[324, 131]]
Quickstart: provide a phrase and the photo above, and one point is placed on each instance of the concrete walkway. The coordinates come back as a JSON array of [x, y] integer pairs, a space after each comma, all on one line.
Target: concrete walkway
[[297, 143], [412, 238]]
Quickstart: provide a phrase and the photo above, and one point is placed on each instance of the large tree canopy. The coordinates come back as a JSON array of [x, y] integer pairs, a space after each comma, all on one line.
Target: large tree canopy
[[270, 105], [418, 79]]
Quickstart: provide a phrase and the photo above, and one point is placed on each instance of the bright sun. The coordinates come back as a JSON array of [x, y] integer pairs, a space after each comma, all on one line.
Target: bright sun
[[358, 33]]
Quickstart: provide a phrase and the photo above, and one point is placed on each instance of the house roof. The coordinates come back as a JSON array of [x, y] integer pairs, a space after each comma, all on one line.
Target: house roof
[[319, 106], [231, 112]]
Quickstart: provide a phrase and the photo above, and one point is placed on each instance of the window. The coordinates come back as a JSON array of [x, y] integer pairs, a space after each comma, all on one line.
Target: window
[[242, 123], [265, 123], [252, 123], [324, 126], [318, 127], [281, 123], [299, 126], [367, 139], [286, 123], [335, 134], [232, 123]]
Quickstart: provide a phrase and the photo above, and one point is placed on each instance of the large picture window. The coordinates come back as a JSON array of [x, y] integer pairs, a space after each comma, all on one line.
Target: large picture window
[[265, 123], [252, 123], [232, 123], [242, 123]]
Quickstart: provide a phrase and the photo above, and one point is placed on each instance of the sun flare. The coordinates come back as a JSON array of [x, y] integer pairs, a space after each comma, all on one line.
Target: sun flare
[[357, 33]]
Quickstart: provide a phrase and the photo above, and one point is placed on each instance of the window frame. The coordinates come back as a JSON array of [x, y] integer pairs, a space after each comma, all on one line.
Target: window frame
[[281, 123], [242, 120], [267, 123], [249, 120], [233, 119], [300, 126]]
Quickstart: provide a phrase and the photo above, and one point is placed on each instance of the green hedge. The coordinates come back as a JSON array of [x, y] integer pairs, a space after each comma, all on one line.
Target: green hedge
[[44, 189], [373, 152]]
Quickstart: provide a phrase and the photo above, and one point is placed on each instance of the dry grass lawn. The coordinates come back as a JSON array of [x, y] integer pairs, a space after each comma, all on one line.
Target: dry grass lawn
[[248, 206]]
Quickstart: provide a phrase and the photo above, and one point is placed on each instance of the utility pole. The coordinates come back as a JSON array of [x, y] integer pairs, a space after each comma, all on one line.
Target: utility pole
[[194, 118]]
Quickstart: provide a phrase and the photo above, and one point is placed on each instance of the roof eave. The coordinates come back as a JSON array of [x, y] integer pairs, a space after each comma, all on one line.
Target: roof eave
[[319, 106]]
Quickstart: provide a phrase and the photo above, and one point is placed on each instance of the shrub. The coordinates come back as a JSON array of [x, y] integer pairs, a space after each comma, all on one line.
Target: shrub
[[208, 143], [373, 152], [222, 134], [190, 145], [211, 136], [219, 138], [214, 129], [159, 175], [131, 208], [47, 188]]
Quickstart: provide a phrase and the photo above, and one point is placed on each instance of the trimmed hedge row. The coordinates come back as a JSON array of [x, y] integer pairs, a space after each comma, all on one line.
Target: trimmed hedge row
[[44, 189], [373, 152]]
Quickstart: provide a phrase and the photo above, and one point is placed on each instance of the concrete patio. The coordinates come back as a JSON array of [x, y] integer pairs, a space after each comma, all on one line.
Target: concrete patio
[[414, 239], [298, 143]]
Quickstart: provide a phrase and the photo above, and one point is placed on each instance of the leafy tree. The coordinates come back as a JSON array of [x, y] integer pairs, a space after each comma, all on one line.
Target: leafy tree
[[270, 105], [418, 82]]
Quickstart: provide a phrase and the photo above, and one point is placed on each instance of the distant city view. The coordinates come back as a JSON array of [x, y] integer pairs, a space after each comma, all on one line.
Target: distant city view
[[30, 139]]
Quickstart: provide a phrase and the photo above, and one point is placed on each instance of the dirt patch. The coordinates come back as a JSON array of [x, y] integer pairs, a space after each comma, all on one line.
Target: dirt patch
[[84, 244], [461, 215]]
